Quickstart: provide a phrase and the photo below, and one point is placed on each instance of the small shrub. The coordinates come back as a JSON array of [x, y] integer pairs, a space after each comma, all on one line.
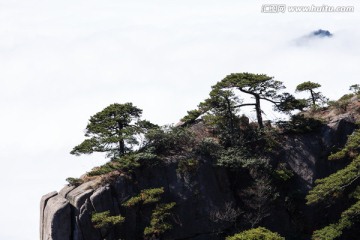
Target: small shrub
[[239, 158], [349, 218], [171, 139], [208, 147], [104, 169], [104, 220], [342, 103], [146, 196], [338, 155], [327, 233], [125, 163], [191, 116], [146, 158], [299, 124], [74, 181], [331, 187], [351, 149], [187, 166], [283, 174], [269, 141], [346, 97], [159, 220], [259, 233]]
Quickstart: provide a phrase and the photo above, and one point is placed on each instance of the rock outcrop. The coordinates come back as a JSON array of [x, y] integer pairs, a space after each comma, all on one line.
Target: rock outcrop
[[67, 215], [55, 217]]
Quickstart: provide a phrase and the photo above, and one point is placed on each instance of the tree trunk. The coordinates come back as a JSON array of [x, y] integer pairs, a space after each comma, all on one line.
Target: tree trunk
[[258, 111], [121, 141], [312, 97], [122, 147], [231, 119]]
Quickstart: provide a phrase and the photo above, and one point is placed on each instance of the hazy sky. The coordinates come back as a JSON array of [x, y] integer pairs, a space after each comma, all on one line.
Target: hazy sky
[[63, 61]]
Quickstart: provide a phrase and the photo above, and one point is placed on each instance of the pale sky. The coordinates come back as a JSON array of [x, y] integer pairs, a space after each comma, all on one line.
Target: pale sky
[[63, 61]]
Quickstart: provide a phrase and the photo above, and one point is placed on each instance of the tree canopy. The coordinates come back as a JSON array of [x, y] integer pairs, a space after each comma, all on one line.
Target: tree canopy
[[226, 102], [310, 86], [221, 108], [113, 130], [260, 86], [355, 88]]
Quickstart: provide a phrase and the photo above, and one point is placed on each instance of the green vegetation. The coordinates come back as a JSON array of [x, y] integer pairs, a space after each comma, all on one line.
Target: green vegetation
[[169, 140], [208, 147], [334, 186], [224, 104], [221, 109], [351, 149], [113, 131], [104, 220], [191, 116], [259, 86], [342, 103], [289, 103], [259, 233], [299, 124], [159, 220], [348, 219], [283, 173], [250, 154], [238, 158], [316, 97], [187, 166], [74, 181], [126, 163], [159, 223], [355, 88], [146, 196]]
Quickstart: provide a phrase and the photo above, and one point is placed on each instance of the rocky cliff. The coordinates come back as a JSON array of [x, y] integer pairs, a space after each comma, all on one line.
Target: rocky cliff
[[205, 198]]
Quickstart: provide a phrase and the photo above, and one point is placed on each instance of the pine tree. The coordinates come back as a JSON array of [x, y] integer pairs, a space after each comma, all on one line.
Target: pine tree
[[113, 130]]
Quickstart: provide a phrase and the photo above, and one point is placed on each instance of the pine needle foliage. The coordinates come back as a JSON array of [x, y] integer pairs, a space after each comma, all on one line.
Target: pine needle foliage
[[146, 196], [259, 233], [159, 220], [103, 219], [333, 186]]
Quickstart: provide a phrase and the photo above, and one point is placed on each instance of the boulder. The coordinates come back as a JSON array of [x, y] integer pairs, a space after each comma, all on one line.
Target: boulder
[[56, 218]]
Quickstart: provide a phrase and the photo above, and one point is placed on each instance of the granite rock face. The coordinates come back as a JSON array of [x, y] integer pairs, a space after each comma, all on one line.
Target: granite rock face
[[67, 215], [55, 216]]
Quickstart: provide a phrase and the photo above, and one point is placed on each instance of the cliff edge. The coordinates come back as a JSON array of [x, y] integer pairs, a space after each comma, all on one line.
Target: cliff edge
[[209, 198]]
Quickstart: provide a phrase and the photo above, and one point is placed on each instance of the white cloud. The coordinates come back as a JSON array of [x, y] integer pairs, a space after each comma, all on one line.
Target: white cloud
[[61, 62]]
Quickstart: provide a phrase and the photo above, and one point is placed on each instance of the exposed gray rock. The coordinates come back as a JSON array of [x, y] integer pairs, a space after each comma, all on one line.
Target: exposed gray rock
[[301, 153], [78, 195], [340, 129], [101, 199], [56, 223], [43, 203], [64, 192], [196, 193], [84, 224]]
